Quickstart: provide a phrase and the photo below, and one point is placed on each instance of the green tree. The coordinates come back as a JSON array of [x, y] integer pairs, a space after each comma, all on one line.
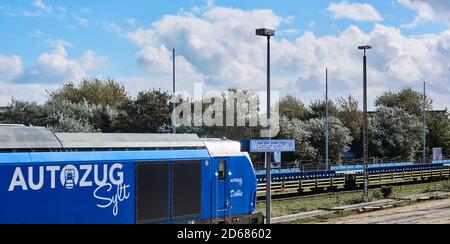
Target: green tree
[[439, 132], [297, 130], [339, 138], [352, 118], [65, 116], [318, 109], [407, 99], [23, 112], [148, 113], [59, 116], [234, 124], [293, 108], [393, 132], [94, 92], [99, 100]]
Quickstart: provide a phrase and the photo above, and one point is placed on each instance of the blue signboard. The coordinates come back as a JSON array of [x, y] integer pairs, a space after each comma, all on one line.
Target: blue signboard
[[437, 154], [276, 164], [263, 146]]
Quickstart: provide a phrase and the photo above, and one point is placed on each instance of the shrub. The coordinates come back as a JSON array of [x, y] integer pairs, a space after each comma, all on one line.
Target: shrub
[[386, 191]]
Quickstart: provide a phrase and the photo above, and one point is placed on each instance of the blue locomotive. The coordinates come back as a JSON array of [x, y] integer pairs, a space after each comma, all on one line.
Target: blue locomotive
[[50, 177]]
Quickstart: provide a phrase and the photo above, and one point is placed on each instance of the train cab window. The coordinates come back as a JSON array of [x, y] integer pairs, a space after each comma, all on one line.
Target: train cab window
[[222, 169]]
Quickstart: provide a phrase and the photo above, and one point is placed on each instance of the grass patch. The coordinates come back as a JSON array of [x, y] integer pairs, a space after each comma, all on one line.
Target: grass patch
[[401, 191], [288, 207]]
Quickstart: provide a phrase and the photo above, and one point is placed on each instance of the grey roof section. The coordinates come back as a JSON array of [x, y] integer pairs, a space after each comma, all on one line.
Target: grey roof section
[[116, 140], [23, 137]]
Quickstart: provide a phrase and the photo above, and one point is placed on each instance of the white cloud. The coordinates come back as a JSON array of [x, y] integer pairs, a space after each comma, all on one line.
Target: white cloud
[[85, 11], [80, 16], [58, 42], [31, 14], [29, 92], [394, 62], [70, 27], [57, 67], [427, 11], [52, 69], [81, 21], [113, 28], [10, 67], [42, 9], [207, 49], [131, 21], [158, 58], [41, 5], [219, 45], [289, 31], [354, 11], [37, 33], [424, 13], [90, 60]]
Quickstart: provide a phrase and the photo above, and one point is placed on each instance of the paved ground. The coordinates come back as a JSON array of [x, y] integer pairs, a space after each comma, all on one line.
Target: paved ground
[[434, 212]]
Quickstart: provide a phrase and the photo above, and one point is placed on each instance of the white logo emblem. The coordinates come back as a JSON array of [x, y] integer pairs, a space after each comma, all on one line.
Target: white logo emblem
[[69, 177]]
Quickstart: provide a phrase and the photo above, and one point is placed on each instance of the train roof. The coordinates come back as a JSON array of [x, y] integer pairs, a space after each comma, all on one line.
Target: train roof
[[13, 137], [119, 140], [18, 138]]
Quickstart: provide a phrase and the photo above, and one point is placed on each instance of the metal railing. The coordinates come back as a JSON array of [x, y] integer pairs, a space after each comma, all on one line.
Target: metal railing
[[308, 166]]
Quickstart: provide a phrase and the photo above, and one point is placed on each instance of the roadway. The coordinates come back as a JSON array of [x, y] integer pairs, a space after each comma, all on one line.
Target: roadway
[[433, 212]]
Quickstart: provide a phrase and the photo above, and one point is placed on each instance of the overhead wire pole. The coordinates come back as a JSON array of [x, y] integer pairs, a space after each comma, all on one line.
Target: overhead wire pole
[[365, 124], [174, 126], [424, 138], [326, 120]]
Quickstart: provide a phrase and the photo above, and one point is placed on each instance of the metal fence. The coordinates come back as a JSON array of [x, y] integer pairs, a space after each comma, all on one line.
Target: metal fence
[[307, 166]]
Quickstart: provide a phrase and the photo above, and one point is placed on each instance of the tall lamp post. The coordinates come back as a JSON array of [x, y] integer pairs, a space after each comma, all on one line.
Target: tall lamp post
[[365, 125], [174, 99], [268, 33], [326, 122]]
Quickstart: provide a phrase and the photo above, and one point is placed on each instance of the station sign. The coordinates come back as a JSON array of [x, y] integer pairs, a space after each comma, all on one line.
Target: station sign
[[437, 154], [266, 146]]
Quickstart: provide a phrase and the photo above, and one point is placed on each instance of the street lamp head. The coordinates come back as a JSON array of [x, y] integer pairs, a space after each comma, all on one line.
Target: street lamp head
[[364, 47], [265, 32]]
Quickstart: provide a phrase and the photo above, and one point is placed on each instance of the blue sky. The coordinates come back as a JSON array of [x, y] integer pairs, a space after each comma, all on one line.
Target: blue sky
[[45, 43]]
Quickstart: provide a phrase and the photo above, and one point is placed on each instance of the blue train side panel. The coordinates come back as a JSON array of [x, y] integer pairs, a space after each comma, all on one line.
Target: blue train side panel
[[235, 194], [67, 193], [242, 187], [79, 187]]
